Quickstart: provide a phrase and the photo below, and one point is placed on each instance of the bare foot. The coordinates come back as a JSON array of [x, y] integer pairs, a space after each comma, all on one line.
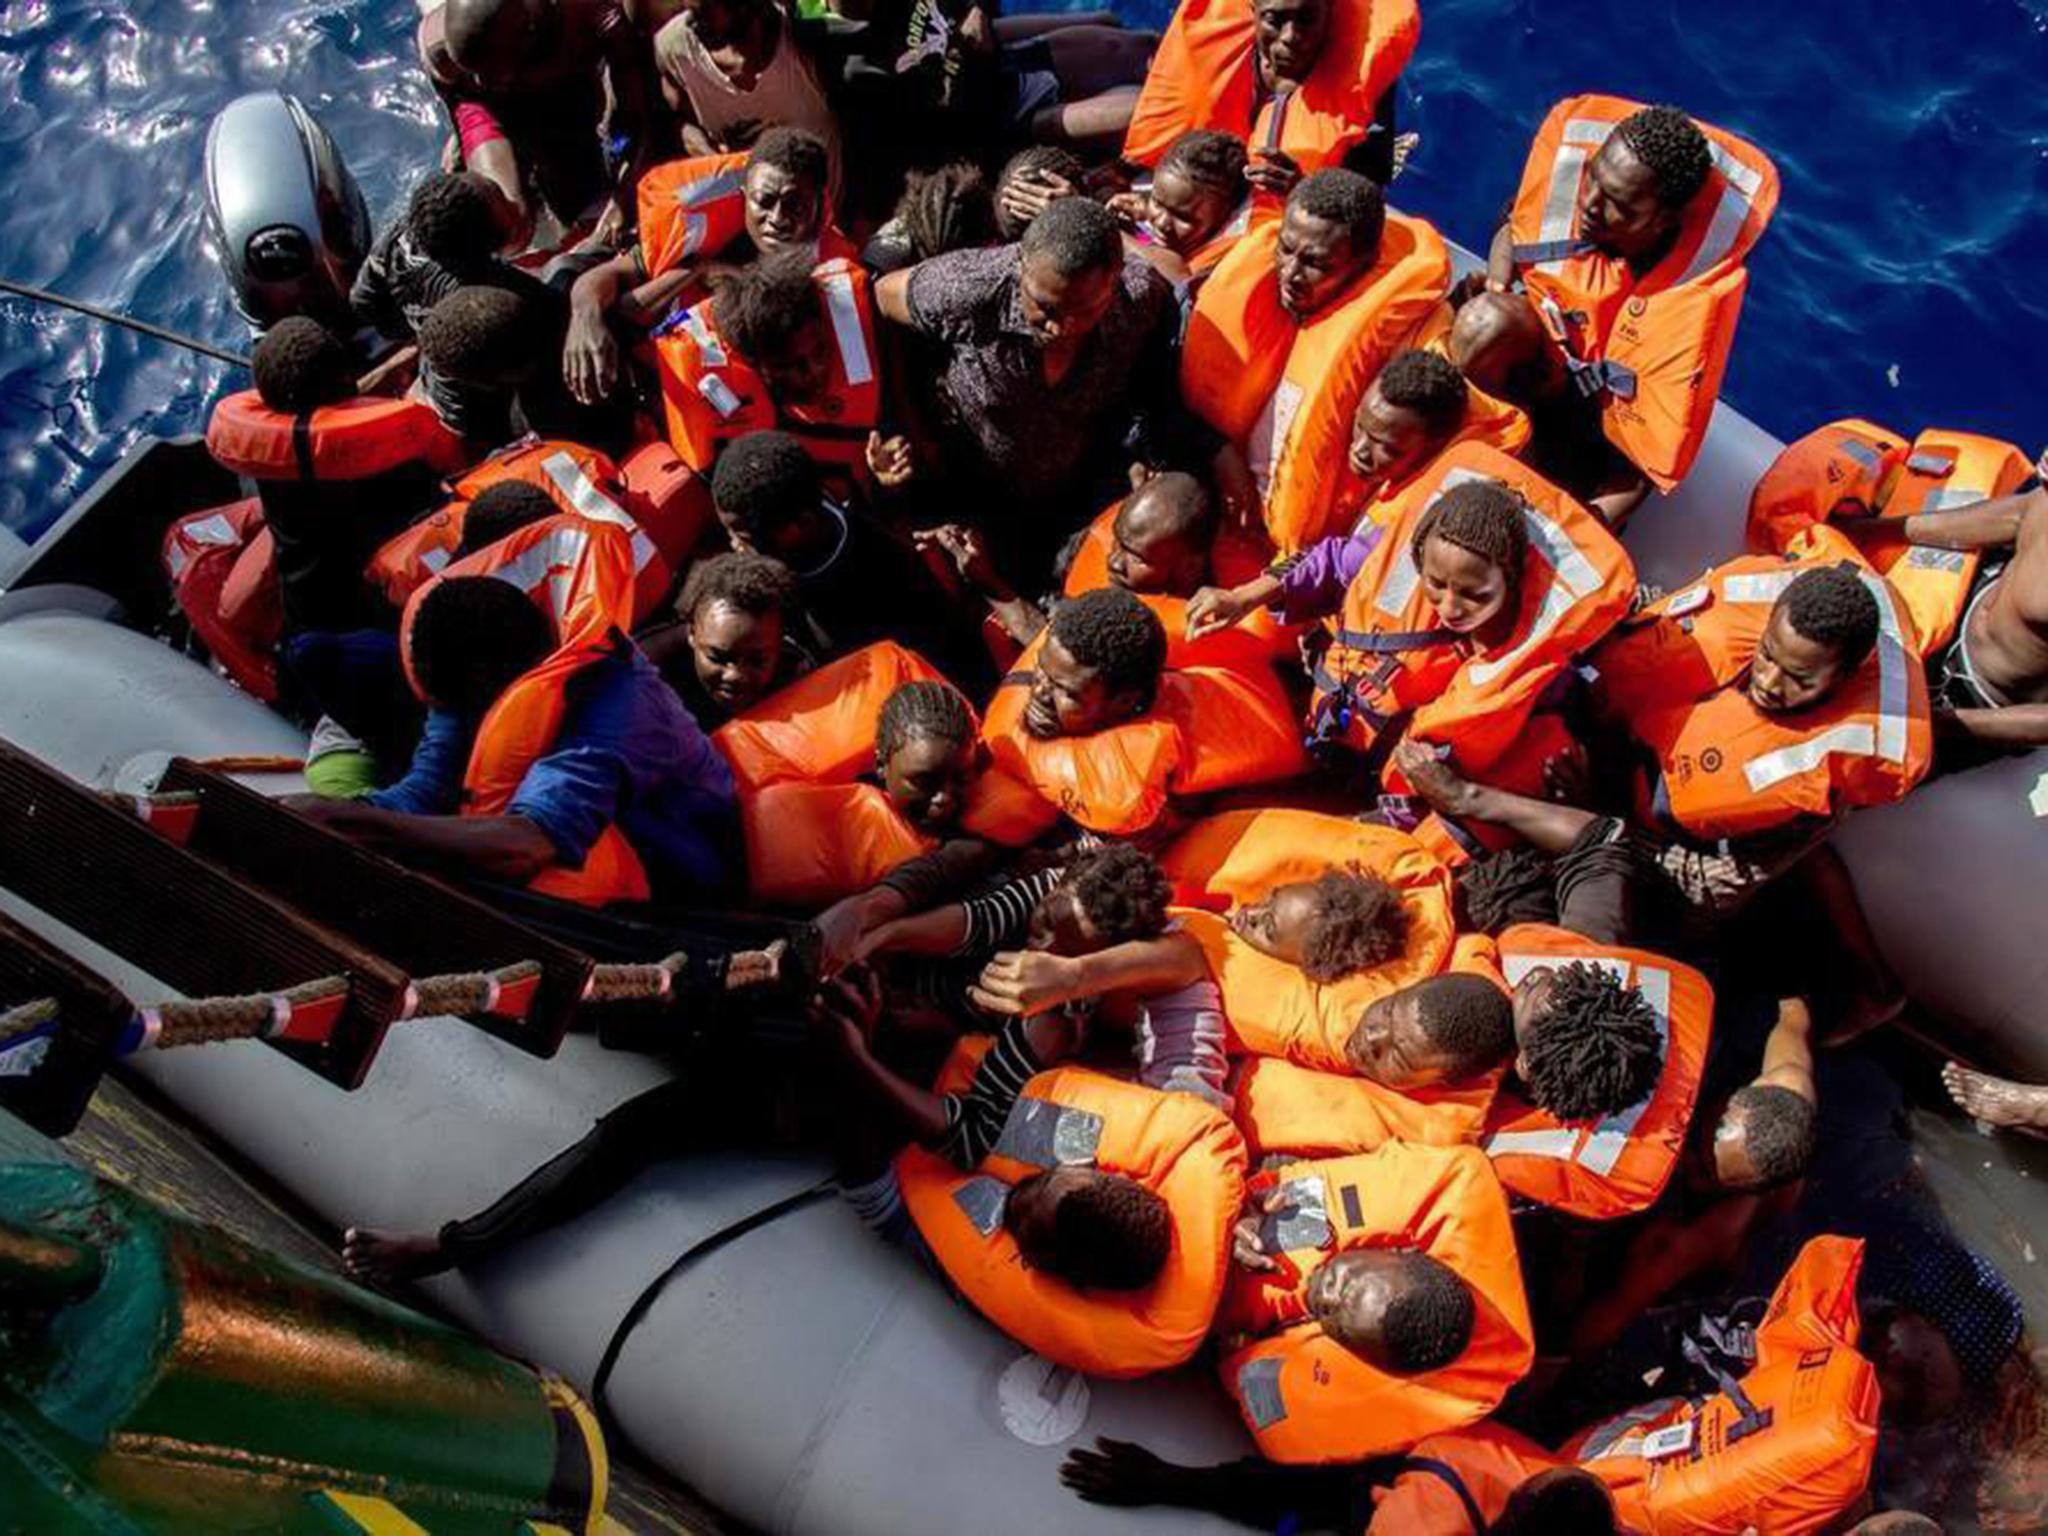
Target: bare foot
[[1997, 1100], [1445, 790], [385, 1258], [751, 968]]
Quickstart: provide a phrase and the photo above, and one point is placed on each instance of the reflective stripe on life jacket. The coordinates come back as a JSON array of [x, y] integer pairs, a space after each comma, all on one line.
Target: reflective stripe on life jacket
[[581, 481], [1863, 480], [1724, 768], [1208, 729], [580, 574], [713, 395], [1181, 1148], [355, 440], [1255, 641], [1272, 1007], [1652, 349], [1619, 1165], [1786, 1449], [1389, 657], [691, 209], [1304, 1396], [1204, 75], [1284, 390], [223, 568]]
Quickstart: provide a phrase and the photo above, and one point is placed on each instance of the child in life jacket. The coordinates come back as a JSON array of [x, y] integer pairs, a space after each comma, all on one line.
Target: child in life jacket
[[627, 753], [492, 350], [1195, 208], [729, 645], [690, 232]]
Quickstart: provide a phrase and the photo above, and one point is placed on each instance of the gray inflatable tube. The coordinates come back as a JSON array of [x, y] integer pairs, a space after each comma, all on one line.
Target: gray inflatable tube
[[793, 1369]]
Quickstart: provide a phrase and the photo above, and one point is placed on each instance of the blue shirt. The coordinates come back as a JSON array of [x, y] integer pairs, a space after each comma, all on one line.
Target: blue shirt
[[629, 752]]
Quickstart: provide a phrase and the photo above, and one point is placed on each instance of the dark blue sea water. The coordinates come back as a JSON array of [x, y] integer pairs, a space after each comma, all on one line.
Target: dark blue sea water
[[1903, 279]]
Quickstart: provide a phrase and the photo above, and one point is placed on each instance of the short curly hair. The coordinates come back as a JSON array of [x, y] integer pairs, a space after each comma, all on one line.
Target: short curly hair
[[502, 510], [1671, 145], [799, 153], [484, 335], [1338, 196], [453, 222], [1779, 1129], [1359, 923], [1429, 1322], [1120, 890], [1483, 517], [1429, 385], [1212, 160], [756, 585], [924, 709], [1832, 606], [1596, 1050], [763, 481], [1114, 635], [1077, 235], [764, 308], [1468, 1019], [473, 636], [949, 209], [1111, 1234], [300, 366]]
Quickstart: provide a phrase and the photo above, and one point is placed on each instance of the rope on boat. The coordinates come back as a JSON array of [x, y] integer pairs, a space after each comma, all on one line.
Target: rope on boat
[[24, 1017], [467, 991], [203, 1020], [635, 983]]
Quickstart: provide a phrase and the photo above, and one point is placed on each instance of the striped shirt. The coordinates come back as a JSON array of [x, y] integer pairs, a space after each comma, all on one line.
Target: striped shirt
[[975, 1119]]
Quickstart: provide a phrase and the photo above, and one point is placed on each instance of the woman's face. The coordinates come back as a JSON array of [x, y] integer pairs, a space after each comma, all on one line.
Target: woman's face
[[1184, 215], [1468, 592], [927, 780], [735, 653]]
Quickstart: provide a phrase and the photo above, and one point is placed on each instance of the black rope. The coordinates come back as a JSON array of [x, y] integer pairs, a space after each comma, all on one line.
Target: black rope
[[115, 317], [644, 1302]]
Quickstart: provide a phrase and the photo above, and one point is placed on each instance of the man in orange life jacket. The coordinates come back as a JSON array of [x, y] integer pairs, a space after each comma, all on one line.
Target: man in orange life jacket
[[1631, 206], [627, 753]]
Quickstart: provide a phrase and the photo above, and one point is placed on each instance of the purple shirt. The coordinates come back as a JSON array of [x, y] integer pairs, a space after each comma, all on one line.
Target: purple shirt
[[1315, 581]]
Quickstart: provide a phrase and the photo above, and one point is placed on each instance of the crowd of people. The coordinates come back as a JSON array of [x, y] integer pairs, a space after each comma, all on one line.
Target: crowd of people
[[1009, 492]]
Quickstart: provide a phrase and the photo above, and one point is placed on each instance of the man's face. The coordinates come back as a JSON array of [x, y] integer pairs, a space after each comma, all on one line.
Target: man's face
[[1183, 214], [1388, 442], [1068, 699], [1618, 207], [735, 653], [1060, 309], [1313, 261], [1349, 1295], [803, 373], [1289, 36], [927, 779], [783, 212], [1392, 1047], [1149, 554], [1468, 592], [1790, 672]]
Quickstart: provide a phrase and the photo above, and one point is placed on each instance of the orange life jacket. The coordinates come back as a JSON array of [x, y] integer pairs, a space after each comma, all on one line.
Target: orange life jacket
[[713, 395], [1204, 75], [1181, 1148], [1865, 481], [1617, 1166], [1305, 1397], [223, 568], [1286, 390], [1293, 1111], [581, 575], [1208, 729], [1389, 657], [357, 439], [669, 500], [1786, 1449], [1257, 641], [691, 209], [581, 481], [1458, 1484], [1721, 767], [1273, 1008], [1651, 349]]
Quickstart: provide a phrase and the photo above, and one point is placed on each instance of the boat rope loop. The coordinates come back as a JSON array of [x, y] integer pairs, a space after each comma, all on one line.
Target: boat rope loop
[[636, 983], [203, 1020], [465, 992], [24, 1017]]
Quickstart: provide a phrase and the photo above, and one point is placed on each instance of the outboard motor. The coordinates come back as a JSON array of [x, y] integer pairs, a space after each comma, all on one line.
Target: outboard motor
[[288, 220]]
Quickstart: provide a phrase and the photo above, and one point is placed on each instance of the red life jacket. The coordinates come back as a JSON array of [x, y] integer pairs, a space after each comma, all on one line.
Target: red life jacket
[[223, 568], [358, 439]]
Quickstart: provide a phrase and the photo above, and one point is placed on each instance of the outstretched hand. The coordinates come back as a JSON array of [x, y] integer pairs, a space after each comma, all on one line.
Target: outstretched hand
[[844, 1011], [1021, 983], [967, 550], [1247, 1246], [1118, 1472], [891, 460], [1214, 608]]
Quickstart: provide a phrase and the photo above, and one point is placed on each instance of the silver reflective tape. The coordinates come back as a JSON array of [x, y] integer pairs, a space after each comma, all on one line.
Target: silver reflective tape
[[581, 491], [1766, 587], [1558, 1144], [1258, 1391], [1945, 498], [1045, 1134], [1607, 1140], [709, 347], [1861, 452], [544, 560], [434, 559], [1300, 1220], [1893, 662], [981, 1200], [694, 194], [1740, 185], [1925, 557], [853, 345], [719, 393], [1399, 586], [1583, 138], [1851, 738], [211, 530], [1268, 440], [1931, 463], [1573, 579]]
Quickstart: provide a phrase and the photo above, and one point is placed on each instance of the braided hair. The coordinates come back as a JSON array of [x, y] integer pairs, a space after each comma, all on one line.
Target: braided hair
[[922, 710], [1596, 1050], [949, 209], [1483, 517], [1212, 160]]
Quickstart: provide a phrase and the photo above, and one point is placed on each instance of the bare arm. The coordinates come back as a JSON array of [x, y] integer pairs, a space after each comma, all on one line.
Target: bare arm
[[2017, 725], [1031, 982], [495, 161], [1991, 524], [940, 931], [1788, 1053], [508, 848], [892, 297]]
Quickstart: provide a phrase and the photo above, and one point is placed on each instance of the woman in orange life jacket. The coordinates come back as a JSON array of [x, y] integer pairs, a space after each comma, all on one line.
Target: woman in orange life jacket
[[782, 207], [728, 645], [1194, 210], [1820, 631], [1631, 206]]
